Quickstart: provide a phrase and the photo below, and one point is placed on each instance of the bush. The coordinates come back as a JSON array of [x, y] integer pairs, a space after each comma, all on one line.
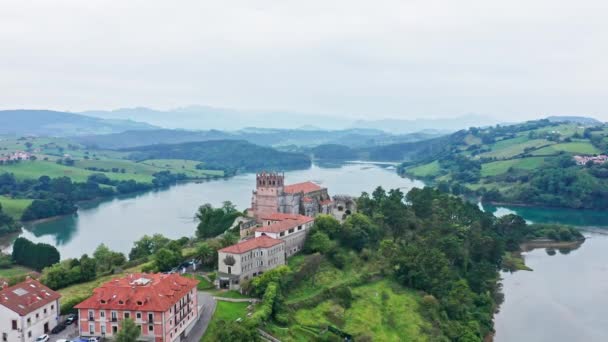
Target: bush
[[67, 305]]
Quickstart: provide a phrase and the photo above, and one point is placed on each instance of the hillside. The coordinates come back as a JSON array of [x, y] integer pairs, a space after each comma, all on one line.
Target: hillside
[[528, 163], [258, 136], [60, 124], [229, 155]]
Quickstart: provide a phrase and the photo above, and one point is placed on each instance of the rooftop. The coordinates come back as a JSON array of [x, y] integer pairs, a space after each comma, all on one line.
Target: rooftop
[[305, 187], [251, 244], [140, 291], [27, 296], [280, 216], [284, 225]]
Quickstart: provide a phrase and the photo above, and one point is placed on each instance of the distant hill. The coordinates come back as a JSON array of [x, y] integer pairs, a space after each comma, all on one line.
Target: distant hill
[[582, 120], [355, 138], [443, 125], [227, 155], [61, 124], [531, 163]]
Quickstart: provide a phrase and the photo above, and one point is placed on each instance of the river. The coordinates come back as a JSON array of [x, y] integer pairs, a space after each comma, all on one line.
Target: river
[[120, 221], [565, 297]]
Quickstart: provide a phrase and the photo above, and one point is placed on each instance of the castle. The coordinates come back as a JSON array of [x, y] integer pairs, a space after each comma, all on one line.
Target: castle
[[273, 196]]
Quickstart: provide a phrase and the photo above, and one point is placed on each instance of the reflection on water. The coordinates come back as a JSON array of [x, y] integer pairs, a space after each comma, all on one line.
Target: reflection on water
[[120, 221], [563, 299], [573, 217]]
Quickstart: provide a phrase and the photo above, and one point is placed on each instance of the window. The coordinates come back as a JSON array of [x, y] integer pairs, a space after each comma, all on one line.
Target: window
[[37, 315], [121, 302], [102, 301], [299, 227], [114, 316], [102, 313], [282, 234], [53, 307], [229, 270], [29, 334], [151, 328], [91, 315], [150, 317], [103, 329], [4, 337], [138, 315], [44, 311], [29, 321], [291, 231], [92, 329], [127, 315], [14, 324], [114, 329]]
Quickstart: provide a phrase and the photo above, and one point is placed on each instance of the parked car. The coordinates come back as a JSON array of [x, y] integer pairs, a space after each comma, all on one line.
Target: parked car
[[43, 338], [58, 328], [88, 339], [62, 340], [71, 319]]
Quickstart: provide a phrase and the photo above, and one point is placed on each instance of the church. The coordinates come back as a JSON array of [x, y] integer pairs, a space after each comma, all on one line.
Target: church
[[271, 195]]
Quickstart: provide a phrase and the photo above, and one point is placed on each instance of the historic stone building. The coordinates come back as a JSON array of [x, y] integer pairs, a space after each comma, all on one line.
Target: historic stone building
[[273, 196]]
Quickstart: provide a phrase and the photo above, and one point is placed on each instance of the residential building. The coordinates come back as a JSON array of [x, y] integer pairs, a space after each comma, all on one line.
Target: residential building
[[27, 310], [164, 306], [248, 259], [290, 228]]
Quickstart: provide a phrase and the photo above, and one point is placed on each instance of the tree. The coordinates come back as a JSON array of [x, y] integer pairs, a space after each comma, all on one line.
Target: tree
[[129, 332], [36, 256], [205, 253], [105, 259], [166, 259], [319, 242], [147, 246], [236, 332], [215, 221]]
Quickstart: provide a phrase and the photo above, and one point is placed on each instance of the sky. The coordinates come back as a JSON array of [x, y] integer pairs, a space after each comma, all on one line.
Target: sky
[[515, 59]]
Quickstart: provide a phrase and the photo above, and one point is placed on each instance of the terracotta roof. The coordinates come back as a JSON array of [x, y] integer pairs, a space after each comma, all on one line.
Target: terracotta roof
[[307, 199], [280, 216], [140, 292], [328, 201], [282, 226], [27, 296], [248, 245], [305, 187]]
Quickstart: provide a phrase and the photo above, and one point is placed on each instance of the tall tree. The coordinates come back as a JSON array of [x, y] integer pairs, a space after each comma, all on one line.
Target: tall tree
[[129, 332]]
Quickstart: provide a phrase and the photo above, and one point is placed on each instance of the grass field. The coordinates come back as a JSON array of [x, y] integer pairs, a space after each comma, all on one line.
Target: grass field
[[425, 170], [512, 147], [224, 311], [565, 130], [500, 167], [382, 310], [14, 207], [184, 166], [13, 271], [578, 147]]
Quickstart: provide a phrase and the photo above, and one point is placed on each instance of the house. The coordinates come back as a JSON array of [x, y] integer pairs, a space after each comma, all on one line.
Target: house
[[164, 306], [27, 310], [247, 259], [597, 159]]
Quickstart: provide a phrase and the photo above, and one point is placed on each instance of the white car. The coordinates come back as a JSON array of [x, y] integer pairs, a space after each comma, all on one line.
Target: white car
[[62, 340], [43, 338]]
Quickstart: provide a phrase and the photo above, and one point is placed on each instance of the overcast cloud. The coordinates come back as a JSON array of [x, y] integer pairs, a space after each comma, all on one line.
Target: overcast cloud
[[513, 59]]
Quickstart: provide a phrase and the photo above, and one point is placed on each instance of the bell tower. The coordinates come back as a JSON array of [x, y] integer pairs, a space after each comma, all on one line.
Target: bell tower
[[268, 189]]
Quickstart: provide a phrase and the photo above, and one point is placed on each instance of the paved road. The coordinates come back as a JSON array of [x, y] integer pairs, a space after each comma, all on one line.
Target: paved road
[[208, 303], [70, 332]]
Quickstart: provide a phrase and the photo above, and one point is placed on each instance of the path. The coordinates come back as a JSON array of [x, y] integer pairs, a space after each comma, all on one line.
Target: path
[[208, 303]]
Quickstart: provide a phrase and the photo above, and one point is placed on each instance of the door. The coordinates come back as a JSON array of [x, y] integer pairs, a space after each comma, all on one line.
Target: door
[[46, 327]]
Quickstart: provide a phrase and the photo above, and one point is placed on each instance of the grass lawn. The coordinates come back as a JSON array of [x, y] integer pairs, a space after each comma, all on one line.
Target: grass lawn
[[579, 147], [502, 166], [13, 271], [14, 207], [182, 166], [227, 294], [426, 170], [512, 147], [224, 311], [203, 284], [382, 310]]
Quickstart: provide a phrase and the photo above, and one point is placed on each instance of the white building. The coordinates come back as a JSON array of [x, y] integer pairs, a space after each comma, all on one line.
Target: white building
[[27, 310]]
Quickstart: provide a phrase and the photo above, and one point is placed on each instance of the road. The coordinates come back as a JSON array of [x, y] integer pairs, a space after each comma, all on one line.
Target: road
[[208, 303]]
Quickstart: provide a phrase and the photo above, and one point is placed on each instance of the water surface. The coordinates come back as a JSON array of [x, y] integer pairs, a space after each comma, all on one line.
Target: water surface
[[120, 221]]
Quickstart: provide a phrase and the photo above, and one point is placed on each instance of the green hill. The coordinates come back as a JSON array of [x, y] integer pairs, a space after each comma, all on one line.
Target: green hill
[[527, 163]]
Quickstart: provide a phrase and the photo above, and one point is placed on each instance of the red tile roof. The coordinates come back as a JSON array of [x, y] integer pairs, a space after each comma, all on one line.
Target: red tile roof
[[280, 216], [140, 292], [282, 226], [248, 245], [326, 202], [27, 296], [305, 187]]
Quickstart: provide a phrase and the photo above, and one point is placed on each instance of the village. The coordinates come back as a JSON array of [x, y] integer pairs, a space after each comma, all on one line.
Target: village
[[167, 307]]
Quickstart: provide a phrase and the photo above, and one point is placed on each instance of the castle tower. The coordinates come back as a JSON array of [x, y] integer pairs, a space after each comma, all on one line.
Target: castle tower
[[269, 187]]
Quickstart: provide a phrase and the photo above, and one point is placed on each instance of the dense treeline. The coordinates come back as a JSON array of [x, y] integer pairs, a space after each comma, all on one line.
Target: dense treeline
[[34, 255], [227, 155], [7, 224], [58, 196], [429, 241], [215, 221]]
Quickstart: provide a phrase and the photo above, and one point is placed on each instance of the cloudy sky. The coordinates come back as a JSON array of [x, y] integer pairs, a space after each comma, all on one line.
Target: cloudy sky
[[511, 59]]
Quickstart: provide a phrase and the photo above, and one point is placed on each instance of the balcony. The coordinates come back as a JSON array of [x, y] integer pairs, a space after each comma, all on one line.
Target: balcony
[[91, 318], [114, 319]]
